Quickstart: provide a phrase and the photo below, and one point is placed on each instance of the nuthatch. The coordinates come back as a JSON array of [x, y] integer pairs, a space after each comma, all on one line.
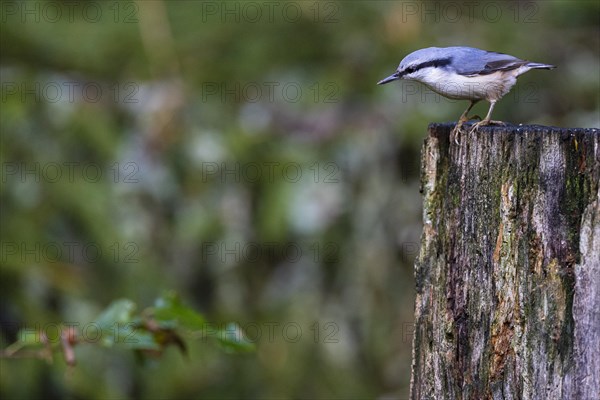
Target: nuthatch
[[464, 73]]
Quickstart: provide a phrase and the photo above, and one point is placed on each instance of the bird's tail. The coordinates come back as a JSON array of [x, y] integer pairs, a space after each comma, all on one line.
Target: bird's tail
[[533, 65]]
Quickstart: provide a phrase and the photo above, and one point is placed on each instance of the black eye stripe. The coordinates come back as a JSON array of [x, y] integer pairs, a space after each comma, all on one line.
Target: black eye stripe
[[442, 62]]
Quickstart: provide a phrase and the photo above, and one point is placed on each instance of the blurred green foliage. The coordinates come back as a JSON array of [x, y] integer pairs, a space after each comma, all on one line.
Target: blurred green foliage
[[150, 332], [241, 154]]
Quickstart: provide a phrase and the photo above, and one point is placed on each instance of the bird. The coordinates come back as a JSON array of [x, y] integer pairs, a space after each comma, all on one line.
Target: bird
[[464, 73]]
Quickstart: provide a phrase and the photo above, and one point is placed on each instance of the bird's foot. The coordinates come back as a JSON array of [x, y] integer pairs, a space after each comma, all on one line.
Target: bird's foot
[[456, 131], [484, 123]]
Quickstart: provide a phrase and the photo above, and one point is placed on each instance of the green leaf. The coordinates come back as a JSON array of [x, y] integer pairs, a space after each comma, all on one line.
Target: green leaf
[[233, 340], [119, 311], [116, 322], [130, 336], [141, 340], [169, 312]]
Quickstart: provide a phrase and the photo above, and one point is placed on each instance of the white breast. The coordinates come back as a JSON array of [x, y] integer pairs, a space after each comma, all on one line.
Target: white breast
[[483, 87]]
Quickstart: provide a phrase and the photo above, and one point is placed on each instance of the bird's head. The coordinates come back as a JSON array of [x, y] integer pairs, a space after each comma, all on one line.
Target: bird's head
[[418, 65]]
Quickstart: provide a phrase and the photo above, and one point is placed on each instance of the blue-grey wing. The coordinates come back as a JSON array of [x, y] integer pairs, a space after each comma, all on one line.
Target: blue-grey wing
[[487, 62]]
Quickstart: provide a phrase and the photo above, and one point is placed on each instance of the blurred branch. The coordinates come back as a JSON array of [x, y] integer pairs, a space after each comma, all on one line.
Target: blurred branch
[[157, 39]]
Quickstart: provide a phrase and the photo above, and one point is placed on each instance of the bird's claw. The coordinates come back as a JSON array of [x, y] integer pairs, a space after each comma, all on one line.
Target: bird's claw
[[476, 126], [458, 129]]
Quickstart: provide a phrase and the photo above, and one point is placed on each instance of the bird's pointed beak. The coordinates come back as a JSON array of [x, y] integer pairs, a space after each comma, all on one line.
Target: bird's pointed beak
[[390, 78]]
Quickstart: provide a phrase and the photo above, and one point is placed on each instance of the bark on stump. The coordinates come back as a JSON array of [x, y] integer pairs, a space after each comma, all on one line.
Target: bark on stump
[[508, 276]]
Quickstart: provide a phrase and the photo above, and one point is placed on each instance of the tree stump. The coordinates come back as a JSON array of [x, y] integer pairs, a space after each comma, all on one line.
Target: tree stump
[[508, 275]]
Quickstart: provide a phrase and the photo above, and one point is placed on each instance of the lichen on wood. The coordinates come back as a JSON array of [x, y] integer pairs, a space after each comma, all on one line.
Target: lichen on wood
[[508, 276]]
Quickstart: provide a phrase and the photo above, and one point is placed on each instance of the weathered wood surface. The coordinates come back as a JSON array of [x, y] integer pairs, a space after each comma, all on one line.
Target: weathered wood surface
[[508, 275]]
